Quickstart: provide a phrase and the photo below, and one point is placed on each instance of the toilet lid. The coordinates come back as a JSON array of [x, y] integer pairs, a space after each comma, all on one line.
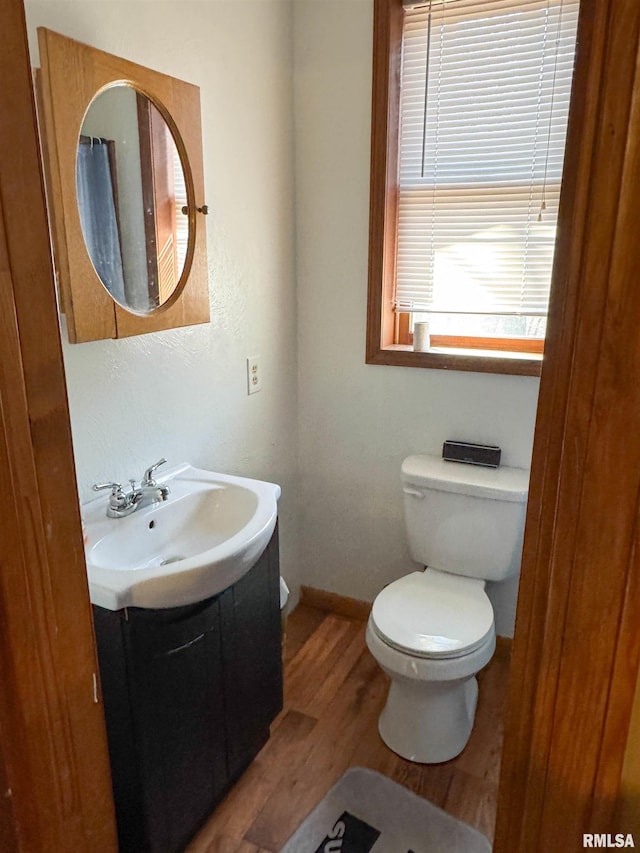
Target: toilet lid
[[432, 614]]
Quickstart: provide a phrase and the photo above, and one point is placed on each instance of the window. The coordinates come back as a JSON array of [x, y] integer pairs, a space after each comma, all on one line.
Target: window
[[470, 107]]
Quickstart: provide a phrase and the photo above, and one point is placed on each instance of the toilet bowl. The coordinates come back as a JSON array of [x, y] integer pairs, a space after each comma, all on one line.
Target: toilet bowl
[[433, 630], [430, 633]]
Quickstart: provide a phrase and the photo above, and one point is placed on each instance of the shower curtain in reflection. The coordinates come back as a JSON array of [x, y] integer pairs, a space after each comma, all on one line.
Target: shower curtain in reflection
[[98, 214]]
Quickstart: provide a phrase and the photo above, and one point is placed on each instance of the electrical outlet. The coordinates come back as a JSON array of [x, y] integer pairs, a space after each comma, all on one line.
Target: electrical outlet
[[254, 375]]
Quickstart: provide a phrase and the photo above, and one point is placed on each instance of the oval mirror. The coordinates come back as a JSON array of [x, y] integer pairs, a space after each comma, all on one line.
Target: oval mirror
[[131, 191]]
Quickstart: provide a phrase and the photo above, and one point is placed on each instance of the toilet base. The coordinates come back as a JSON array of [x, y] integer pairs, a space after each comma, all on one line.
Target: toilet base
[[429, 722]]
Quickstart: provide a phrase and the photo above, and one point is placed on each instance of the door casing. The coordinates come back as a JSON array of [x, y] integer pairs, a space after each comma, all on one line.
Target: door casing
[[576, 647], [54, 770]]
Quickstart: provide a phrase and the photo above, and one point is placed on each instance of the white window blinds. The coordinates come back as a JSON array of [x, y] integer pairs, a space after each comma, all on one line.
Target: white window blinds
[[484, 101]]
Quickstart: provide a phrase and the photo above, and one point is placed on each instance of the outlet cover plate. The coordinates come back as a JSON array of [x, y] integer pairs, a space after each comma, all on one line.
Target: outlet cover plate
[[254, 375]]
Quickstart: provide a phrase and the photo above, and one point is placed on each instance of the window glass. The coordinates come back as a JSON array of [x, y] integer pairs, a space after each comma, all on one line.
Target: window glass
[[485, 91]]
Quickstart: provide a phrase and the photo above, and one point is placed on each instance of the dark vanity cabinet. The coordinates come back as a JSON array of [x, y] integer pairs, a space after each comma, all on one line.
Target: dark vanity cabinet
[[189, 694]]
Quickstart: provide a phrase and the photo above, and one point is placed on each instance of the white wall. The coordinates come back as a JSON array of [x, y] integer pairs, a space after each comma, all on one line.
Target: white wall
[[357, 421], [182, 394]]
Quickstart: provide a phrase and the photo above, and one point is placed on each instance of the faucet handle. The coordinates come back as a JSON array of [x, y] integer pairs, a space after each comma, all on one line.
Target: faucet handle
[[117, 498], [116, 488], [147, 479]]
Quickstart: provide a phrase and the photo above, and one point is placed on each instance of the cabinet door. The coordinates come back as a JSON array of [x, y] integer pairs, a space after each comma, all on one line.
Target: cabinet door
[[252, 657], [127, 788], [178, 713]]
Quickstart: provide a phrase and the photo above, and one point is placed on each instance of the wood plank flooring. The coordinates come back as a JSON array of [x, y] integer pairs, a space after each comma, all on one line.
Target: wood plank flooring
[[334, 692]]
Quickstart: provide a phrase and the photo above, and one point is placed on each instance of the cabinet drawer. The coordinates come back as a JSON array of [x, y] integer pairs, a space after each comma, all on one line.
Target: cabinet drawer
[[155, 633]]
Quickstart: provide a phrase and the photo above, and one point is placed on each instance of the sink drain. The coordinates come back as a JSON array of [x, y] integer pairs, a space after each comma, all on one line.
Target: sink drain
[[169, 560]]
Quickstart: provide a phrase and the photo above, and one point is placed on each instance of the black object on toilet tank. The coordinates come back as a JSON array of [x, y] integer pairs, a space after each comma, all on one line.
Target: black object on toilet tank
[[473, 454]]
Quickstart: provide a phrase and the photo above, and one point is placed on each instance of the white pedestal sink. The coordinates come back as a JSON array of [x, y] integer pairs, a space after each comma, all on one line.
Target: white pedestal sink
[[208, 533]]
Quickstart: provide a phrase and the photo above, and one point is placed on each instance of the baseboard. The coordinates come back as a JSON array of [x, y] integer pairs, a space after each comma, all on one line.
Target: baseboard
[[503, 647], [341, 605], [354, 608]]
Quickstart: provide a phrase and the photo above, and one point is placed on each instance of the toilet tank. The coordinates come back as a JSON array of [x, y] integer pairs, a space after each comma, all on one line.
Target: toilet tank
[[465, 519]]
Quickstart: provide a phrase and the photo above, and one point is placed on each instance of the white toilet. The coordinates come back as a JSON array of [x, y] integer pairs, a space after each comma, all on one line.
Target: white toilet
[[433, 630]]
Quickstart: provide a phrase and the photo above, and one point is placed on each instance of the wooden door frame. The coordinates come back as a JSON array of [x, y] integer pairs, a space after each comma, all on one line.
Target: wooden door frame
[[576, 647], [56, 792], [576, 652]]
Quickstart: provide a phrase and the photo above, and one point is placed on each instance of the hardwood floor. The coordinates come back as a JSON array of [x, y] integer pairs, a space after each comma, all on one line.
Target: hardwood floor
[[334, 692]]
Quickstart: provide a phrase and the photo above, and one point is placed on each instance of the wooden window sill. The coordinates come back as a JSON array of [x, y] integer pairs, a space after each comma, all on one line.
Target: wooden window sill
[[447, 358]]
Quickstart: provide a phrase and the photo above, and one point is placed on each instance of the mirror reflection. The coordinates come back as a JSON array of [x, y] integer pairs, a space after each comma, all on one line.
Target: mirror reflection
[[131, 190]]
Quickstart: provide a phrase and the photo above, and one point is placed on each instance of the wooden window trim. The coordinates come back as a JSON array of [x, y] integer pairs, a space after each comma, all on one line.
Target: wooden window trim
[[526, 346], [404, 336], [384, 327]]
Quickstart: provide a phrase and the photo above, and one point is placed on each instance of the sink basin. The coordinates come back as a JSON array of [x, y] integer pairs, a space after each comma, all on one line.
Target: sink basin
[[209, 532]]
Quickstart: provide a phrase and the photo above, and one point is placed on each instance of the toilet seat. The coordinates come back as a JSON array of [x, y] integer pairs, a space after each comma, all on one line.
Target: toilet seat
[[434, 615]]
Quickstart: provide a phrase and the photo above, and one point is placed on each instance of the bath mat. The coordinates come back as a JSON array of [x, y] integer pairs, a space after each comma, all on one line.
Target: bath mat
[[365, 811]]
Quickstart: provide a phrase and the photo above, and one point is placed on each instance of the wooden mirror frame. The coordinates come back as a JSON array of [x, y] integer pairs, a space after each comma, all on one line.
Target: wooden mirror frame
[[72, 74]]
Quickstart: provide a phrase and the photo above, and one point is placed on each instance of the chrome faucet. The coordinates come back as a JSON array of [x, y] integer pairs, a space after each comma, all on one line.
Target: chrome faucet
[[123, 503], [150, 491]]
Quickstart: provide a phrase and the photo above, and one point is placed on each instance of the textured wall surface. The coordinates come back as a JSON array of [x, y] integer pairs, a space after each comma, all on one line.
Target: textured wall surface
[[182, 393], [357, 421], [332, 430]]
